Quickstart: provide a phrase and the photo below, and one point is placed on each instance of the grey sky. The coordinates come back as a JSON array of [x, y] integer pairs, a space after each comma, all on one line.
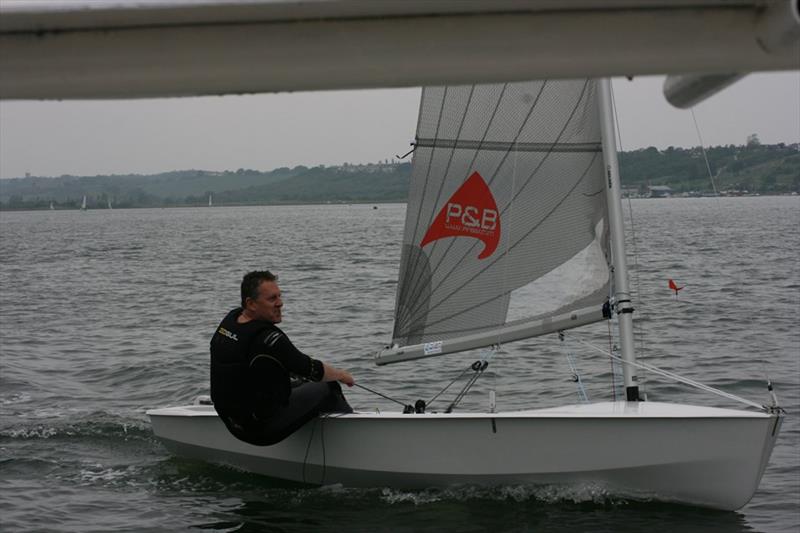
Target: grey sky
[[273, 130]]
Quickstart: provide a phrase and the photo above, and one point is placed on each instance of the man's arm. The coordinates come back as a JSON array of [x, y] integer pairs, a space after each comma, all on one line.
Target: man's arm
[[337, 374], [278, 344]]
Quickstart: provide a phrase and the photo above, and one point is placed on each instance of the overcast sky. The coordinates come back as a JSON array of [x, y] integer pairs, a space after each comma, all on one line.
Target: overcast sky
[[269, 131]]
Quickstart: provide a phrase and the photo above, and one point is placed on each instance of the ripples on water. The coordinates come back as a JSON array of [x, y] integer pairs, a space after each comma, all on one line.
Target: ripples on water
[[105, 314]]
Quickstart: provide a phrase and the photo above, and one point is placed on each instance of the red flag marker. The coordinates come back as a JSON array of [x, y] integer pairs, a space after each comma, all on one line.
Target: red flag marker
[[674, 287]]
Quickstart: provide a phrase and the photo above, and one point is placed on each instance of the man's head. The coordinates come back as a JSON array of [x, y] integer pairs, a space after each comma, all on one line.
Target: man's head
[[261, 297]]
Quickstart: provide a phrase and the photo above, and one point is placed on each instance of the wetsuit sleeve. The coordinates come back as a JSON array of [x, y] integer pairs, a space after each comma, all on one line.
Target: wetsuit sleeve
[[278, 345]]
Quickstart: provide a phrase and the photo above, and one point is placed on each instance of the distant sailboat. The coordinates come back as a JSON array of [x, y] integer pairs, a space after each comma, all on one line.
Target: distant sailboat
[[210, 203], [83, 204], [51, 206], [109, 204]]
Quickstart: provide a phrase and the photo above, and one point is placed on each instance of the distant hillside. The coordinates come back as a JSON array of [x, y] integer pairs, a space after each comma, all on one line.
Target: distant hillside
[[347, 183], [363, 183], [766, 169]]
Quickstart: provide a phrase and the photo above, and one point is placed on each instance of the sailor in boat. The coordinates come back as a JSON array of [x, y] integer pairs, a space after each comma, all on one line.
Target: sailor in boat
[[263, 388]]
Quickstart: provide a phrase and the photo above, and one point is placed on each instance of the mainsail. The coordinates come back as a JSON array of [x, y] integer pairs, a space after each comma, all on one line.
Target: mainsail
[[506, 232]]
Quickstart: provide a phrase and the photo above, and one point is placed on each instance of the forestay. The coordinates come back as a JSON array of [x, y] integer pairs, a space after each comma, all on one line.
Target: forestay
[[506, 232]]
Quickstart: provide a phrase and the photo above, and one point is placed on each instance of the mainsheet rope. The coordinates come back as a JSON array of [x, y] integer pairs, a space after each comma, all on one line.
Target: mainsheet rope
[[478, 367], [379, 394]]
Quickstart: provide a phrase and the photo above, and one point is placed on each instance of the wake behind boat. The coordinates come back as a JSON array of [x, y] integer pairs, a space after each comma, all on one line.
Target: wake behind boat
[[513, 230]]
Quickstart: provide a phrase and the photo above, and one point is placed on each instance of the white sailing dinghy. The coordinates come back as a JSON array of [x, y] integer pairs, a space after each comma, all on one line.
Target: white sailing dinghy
[[513, 230], [83, 203]]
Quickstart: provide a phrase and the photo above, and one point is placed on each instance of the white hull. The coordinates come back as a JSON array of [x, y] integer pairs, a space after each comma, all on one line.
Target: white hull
[[702, 456]]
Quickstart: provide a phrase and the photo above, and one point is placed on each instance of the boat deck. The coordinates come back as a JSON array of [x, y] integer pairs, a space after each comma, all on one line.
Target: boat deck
[[592, 410]]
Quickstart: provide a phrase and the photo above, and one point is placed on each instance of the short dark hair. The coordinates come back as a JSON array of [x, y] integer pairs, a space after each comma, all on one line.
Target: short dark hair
[[252, 280]]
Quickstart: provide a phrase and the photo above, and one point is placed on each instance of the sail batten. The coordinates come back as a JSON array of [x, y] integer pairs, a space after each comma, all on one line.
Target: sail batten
[[504, 210], [509, 146]]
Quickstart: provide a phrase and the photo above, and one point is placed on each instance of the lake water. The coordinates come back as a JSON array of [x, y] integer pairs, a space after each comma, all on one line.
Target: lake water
[[105, 314]]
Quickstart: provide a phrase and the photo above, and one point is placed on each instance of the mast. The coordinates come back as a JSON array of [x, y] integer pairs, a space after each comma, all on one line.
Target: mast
[[622, 296]]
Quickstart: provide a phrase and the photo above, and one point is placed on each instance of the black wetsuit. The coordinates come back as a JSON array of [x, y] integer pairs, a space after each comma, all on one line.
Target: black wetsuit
[[251, 368]]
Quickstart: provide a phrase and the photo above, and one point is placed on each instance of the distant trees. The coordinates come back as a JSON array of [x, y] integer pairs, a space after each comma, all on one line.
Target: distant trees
[[756, 167], [764, 168]]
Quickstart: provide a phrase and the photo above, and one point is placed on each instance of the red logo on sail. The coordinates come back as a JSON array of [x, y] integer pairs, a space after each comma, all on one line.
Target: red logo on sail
[[470, 212]]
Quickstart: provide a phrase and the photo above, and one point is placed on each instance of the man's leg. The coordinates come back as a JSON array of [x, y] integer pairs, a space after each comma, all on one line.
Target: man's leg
[[305, 403], [336, 402]]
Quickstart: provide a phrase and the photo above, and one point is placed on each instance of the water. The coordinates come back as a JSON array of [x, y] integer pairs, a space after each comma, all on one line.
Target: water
[[105, 314]]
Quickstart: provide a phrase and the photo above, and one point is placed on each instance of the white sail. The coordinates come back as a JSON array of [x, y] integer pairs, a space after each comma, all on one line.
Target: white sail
[[83, 204], [210, 203], [506, 223]]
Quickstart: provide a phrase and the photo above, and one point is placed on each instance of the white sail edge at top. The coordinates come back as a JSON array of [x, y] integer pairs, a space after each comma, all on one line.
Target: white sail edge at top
[[508, 333]]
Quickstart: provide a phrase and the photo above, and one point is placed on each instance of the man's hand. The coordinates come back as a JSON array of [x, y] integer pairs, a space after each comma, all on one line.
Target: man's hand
[[337, 374], [346, 378]]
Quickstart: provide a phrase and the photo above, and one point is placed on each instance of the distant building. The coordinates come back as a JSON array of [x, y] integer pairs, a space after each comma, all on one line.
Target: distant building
[[369, 168], [659, 191]]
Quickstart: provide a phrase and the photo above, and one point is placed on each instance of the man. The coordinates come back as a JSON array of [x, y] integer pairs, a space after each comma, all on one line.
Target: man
[[252, 363]]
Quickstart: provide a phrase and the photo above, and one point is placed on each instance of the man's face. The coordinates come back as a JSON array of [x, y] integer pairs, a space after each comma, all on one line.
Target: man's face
[[268, 304]]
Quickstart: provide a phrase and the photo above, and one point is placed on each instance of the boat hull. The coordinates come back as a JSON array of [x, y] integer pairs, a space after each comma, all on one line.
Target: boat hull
[[702, 456]]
